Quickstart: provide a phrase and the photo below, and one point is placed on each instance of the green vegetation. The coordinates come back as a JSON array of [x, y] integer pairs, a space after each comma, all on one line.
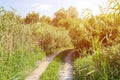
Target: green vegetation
[[96, 40], [54, 67], [23, 41], [103, 65], [52, 38], [18, 50], [19, 64]]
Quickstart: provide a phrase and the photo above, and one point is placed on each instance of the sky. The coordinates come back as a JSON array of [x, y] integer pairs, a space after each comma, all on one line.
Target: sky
[[49, 7]]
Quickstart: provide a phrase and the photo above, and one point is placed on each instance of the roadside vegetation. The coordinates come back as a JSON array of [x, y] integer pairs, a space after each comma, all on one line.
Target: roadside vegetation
[[18, 50], [23, 41], [98, 45], [95, 38]]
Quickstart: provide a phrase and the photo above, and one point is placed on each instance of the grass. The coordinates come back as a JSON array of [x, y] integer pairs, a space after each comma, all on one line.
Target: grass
[[82, 67], [103, 65], [52, 72], [19, 64]]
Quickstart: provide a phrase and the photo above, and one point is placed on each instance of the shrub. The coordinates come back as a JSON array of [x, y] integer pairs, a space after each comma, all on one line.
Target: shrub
[[50, 38]]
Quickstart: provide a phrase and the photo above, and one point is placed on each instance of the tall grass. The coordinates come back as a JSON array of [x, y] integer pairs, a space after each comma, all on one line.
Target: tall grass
[[18, 50], [99, 37], [19, 64], [103, 38], [103, 65]]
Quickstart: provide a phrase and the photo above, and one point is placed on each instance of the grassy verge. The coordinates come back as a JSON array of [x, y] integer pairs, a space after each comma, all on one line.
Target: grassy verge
[[19, 64], [52, 72], [103, 65]]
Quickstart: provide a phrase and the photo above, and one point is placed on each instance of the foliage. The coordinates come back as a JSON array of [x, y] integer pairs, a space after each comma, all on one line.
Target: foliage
[[32, 18], [99, 35], [103, 65], [102, 27], [95, 38], [45, 19], [18, 50], [51, 38], [19, 64], [66, 18], [114, 6], [21, 44]]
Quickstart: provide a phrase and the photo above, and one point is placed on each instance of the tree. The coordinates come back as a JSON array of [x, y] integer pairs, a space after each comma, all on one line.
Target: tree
[[60, 14], [72, 12], [32, 18], [66, 18]]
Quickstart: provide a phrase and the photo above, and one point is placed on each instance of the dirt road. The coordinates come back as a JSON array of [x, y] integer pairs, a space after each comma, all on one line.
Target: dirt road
[[35, 75], [66, 71]]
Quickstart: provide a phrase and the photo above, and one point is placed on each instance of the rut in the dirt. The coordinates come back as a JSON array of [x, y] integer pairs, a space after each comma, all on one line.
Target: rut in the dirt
[[66, 72], [35, 75]]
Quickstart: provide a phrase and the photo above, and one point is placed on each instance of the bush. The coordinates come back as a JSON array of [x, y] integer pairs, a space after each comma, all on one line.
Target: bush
[[51, 38]]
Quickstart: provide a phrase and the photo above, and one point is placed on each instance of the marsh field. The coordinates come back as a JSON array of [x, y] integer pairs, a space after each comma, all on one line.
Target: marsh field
[[93, 39]]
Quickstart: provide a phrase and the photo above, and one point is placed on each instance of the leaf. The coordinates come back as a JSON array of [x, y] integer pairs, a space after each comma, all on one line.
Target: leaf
[[91, 72]]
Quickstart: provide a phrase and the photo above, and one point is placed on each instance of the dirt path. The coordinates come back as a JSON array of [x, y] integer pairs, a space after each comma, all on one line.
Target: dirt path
[[35, 75], [66, 71]]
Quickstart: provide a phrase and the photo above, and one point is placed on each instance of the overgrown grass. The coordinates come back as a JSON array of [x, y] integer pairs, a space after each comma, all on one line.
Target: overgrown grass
[[99, 38], [52, 72], [103, 65], [19, 64]]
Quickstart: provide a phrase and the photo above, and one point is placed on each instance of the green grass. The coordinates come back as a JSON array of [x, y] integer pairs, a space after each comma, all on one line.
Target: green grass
[[18, 66], [103, 65], [52, 72]]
